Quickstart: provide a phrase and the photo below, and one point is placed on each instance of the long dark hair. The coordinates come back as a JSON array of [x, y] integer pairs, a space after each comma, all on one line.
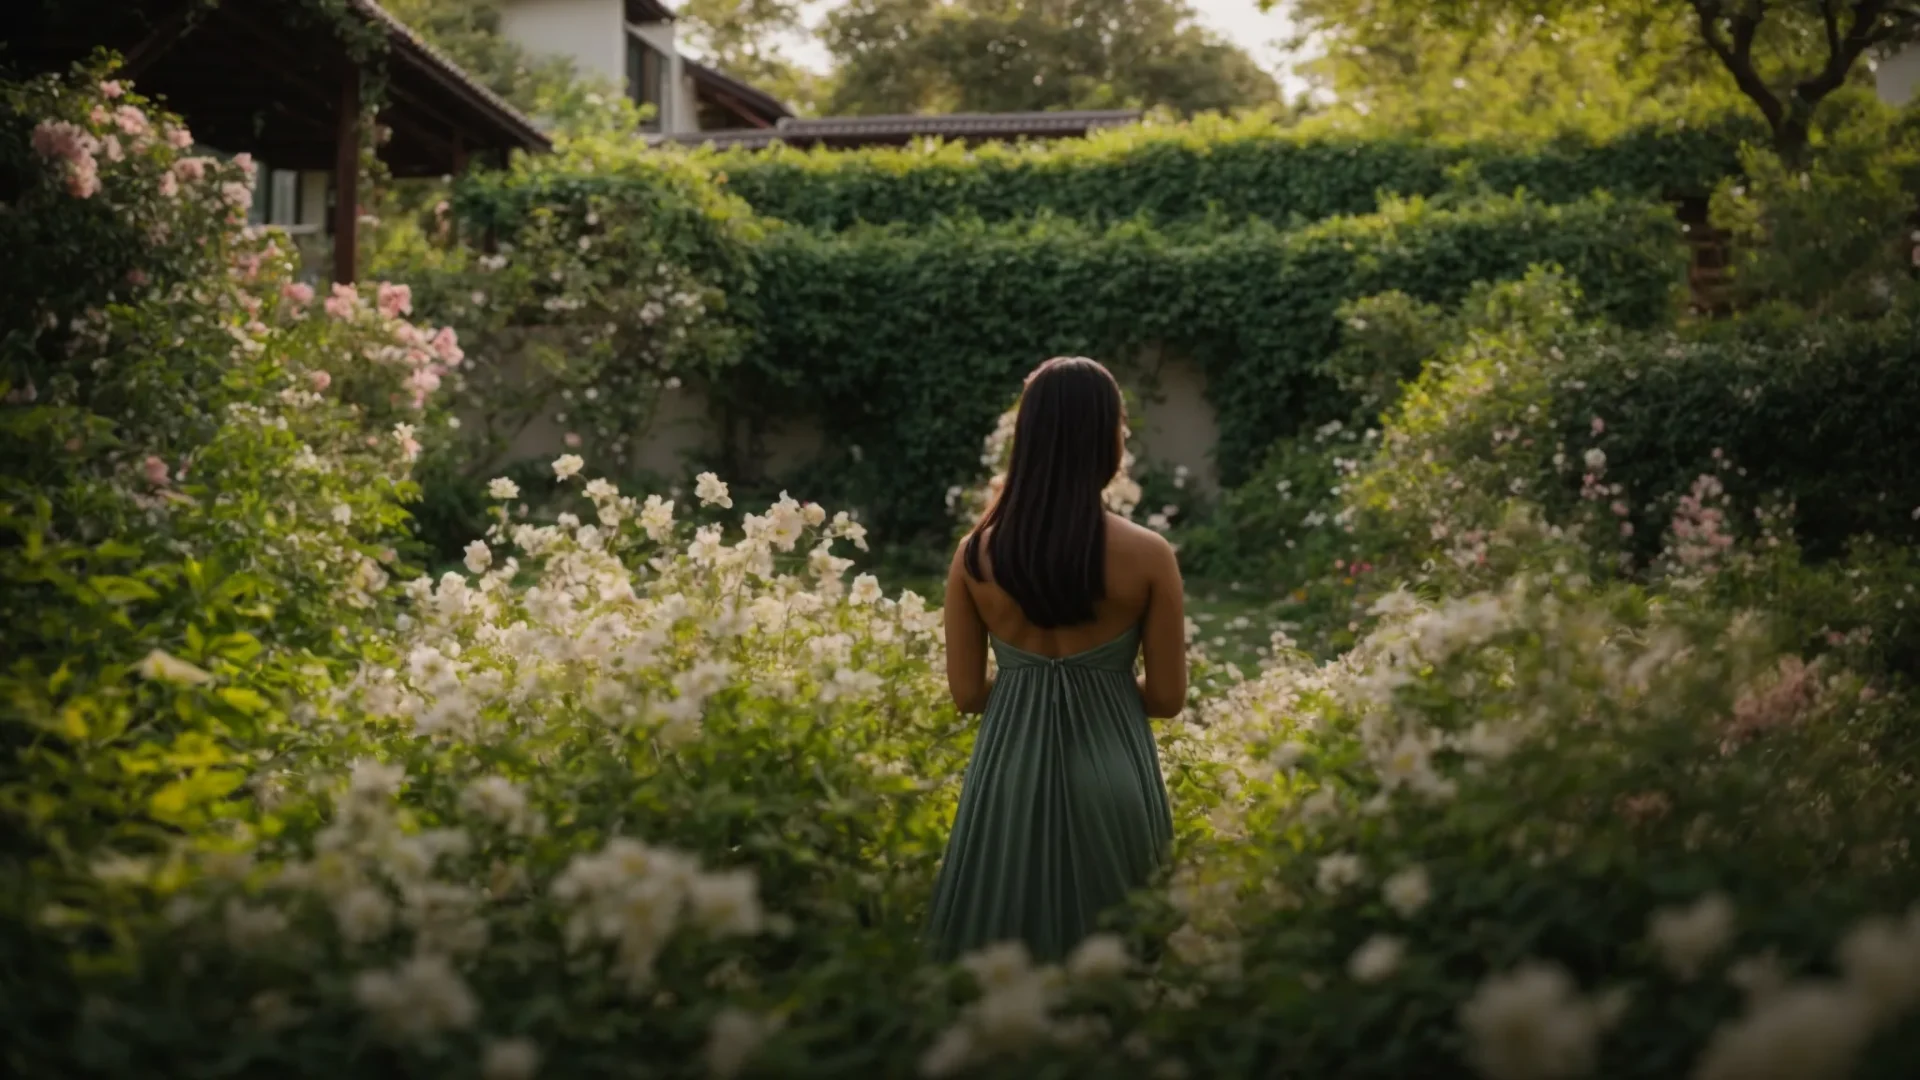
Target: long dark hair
[[1048, 526]]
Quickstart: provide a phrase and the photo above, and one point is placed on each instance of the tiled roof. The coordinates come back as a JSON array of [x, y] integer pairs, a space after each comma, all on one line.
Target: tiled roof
[[436, 63], [772, 108], [857, 129]]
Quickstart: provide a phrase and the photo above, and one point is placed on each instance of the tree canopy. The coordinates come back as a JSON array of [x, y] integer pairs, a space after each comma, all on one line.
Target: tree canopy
[[1784, 56], [903, 56]]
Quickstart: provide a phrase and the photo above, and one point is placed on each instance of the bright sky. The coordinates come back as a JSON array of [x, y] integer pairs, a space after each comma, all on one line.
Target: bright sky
[[1239, 21]]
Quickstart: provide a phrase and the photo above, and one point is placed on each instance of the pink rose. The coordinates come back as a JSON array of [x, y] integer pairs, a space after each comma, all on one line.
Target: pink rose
[[111, 89], [193, 169], [320, 380], [130, 120], [344, 302], [299, 292], [156, 471], [179, 138], [1599, 425], [245, 161], [100, 116], [395, 300], [169, 186], [137, 277], [83, 181], [446, 345], [572, 440], [113, 148]]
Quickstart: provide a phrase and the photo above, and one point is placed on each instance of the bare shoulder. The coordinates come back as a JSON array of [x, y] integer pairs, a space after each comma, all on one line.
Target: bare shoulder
[[1137, 545]]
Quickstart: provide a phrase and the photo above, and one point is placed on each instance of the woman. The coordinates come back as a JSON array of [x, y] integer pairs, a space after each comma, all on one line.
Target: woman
[[1063, 811]]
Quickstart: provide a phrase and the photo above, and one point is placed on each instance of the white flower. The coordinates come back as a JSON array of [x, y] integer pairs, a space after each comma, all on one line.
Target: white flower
[[712, 491], [1377, 959], [1808, 1032], [371, 779], [510, 1059], [866, 590], [502, 488], [656, 517], [601, 488], [1336, 872], [727, 902], [363, 914], [160, 666], [1099, 957], [1881, 960], [734, 1038], [949, 1054], [342, 514], [567, 466], [497, 799], [1407, 891], [422, 997], [1000, 964], [1689, 937], [1596, 459], [1531, 1024], [479, 556]]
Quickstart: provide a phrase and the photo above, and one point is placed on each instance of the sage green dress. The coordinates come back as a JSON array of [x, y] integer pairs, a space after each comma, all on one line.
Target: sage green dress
[[1063, 811]]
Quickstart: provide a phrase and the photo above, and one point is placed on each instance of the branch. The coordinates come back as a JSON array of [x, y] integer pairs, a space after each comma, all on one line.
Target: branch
[[1737, 56], [1871, 26]]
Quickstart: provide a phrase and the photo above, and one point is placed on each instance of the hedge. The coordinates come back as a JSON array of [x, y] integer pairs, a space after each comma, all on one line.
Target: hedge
[[1235, 169], [912, 341]]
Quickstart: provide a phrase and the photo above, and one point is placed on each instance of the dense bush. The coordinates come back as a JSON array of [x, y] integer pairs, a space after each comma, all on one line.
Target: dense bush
[[897, 334], [1231, 169]]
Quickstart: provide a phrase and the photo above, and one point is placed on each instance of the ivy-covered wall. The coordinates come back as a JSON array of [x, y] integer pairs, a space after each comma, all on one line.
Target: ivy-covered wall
[[1227, 169], [906, 339]]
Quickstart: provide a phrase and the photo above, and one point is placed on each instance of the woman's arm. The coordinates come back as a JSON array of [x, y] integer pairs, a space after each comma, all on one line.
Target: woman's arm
[[966, 642], [1164, 642]]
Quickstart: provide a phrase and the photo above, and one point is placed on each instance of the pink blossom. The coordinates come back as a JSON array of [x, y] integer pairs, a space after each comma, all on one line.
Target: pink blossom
[[344, 302], [1599, 426], [130, 120], [179, 138], [320, 380], [100, 116], [156, 471], [446, 345], [169, 186], [299, 292], [193, 169], [236, 194], [1619, 508], [112, 145], [395, 300], [83, 181], [58, 139], [423, 382], [245, 161], [111, 89], [137, 277], [572, 439]]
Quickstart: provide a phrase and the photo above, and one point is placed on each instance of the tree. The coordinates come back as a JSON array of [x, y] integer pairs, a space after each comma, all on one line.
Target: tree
[[1785, 56], [468, 31], [1408, 68], [901, 56], [743, 38]]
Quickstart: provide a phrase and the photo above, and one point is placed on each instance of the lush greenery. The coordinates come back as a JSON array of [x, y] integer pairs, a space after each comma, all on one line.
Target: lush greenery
[[1225, 170], [821, 321], [1604, 768], [907, 56]]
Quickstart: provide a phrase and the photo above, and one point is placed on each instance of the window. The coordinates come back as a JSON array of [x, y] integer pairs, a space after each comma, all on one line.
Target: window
[[647, 79]]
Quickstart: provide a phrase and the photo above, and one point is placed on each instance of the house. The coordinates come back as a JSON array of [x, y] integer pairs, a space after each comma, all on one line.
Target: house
[[270, 79], [632, 44], [1897, 74]]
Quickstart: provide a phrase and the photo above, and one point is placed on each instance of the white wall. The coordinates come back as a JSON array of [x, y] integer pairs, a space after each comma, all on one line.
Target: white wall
[[590, 32], [1898, 75], [677, 114]]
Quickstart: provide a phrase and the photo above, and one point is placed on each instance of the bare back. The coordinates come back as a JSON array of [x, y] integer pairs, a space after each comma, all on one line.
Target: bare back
[[1143, 588]]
